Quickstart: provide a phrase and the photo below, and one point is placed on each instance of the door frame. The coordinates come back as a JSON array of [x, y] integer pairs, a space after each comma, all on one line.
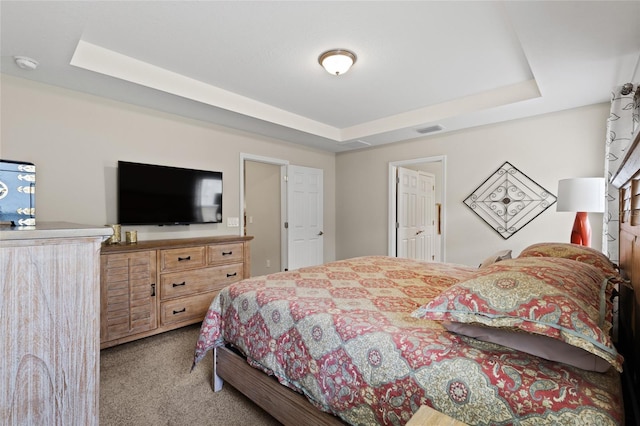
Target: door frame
[[393, 165], [284, 251]]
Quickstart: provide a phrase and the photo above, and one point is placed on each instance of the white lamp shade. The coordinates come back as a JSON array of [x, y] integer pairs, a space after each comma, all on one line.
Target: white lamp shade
[[581, 195]]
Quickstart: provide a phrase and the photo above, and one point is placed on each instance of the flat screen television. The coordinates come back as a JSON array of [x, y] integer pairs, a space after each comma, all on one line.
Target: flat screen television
[[161, 195]]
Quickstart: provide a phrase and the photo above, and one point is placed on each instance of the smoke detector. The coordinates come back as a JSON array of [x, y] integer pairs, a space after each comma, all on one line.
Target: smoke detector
[[26, 63]]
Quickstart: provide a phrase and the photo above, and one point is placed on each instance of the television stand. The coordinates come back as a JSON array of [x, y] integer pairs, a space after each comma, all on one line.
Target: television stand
[[150, 287]]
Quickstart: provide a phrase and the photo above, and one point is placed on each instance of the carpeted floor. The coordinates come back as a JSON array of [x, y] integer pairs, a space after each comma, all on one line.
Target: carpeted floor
[[147, 382]]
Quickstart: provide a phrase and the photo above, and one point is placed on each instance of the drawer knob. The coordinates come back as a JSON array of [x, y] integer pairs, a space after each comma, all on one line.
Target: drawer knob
[[227, 253], [232, 275], [180, 259], [180, 311], [180, 284]]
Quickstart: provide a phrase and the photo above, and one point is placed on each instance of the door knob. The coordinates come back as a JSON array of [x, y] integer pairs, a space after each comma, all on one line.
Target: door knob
[[320, 233], [420, 232]]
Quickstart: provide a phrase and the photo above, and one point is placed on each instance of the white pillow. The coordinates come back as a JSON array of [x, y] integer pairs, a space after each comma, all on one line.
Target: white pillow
[[534, 344]]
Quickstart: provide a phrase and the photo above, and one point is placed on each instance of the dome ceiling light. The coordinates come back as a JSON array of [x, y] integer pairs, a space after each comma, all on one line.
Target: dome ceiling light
[[337, 61]]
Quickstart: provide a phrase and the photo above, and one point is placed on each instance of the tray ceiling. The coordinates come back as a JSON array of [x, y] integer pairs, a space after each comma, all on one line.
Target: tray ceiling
[[253, 65]]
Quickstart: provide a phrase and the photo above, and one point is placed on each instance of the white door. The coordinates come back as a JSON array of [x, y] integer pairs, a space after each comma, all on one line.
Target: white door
[[415, 214], [407, 226], [304, 217]]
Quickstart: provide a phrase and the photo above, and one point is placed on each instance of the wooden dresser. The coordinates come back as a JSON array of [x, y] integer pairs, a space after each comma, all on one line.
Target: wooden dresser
[[154, 286], [49, 324]]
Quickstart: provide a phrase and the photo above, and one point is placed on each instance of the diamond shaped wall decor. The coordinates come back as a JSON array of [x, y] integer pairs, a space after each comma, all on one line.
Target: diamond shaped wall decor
[[508, 200]]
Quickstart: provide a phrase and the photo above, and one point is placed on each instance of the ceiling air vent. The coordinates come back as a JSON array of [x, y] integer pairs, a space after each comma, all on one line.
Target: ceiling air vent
[[354, 144], [430, 129]]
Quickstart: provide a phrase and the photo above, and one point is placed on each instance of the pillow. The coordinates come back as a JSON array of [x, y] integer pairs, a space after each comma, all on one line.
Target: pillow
[[561, 299], [576, 252], [496, 257], [534, 344]]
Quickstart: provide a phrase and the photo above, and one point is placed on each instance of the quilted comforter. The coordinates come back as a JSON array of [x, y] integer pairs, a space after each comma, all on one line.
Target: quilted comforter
[[343, 335]]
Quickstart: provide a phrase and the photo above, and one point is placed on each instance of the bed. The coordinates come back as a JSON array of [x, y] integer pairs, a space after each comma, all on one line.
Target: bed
[[352, 337], [370, 340]]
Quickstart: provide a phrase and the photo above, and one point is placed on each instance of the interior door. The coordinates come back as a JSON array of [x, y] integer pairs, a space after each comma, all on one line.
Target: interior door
[[407, 200], [304, 217], [415, 214]]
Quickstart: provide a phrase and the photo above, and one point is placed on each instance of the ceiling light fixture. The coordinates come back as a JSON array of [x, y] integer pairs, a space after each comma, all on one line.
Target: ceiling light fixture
[[337, 61], [26, 63]]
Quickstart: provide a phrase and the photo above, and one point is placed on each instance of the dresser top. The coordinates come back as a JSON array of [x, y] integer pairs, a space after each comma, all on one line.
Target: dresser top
[[53, 230], [173, 243]]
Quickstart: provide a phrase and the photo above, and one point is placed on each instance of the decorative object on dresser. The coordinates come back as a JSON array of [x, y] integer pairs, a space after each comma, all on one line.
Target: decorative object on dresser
[[154, 286], [49, 324], [131, 237], [117, 234]]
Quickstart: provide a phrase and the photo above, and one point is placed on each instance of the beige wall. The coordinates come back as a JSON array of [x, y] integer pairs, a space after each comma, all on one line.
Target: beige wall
[[546, 148], [75, 141]]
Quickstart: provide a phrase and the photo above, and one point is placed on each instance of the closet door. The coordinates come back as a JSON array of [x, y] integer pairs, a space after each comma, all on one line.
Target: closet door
[[305, 242], [415, 212]]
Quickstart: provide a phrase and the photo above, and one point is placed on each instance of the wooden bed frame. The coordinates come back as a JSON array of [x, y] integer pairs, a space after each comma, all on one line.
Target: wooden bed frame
[[284, 404], [627, 180], [289, 407]]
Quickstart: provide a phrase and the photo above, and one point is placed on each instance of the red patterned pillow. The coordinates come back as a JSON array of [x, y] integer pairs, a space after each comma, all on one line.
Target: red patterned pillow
[[574, 252], [559, 298]]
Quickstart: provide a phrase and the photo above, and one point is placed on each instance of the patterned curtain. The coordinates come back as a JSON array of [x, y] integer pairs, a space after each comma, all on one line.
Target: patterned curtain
[[623, 120]]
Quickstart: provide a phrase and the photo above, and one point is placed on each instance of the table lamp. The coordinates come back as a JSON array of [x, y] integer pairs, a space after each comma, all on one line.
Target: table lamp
[[581, 195]]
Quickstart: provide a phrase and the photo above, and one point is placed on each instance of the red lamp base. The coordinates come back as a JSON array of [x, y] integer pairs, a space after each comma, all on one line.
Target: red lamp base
[[581, 232]]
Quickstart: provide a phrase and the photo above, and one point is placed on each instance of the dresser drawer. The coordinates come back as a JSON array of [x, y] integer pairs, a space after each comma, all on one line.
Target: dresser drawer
[[186, 309], [224, 253], [182, 258], [178, 284]]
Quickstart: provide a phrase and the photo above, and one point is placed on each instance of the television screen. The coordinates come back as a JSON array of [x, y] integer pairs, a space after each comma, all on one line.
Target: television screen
[[161, 195]]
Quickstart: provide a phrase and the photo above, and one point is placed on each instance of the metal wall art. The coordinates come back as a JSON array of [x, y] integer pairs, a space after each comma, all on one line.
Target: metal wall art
[[508, 200]]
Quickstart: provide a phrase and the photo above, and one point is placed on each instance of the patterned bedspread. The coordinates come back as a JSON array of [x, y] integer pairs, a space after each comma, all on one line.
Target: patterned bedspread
[[342, 334]]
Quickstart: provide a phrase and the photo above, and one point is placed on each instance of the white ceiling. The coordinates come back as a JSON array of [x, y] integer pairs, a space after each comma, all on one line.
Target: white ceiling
[[252, 65]]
